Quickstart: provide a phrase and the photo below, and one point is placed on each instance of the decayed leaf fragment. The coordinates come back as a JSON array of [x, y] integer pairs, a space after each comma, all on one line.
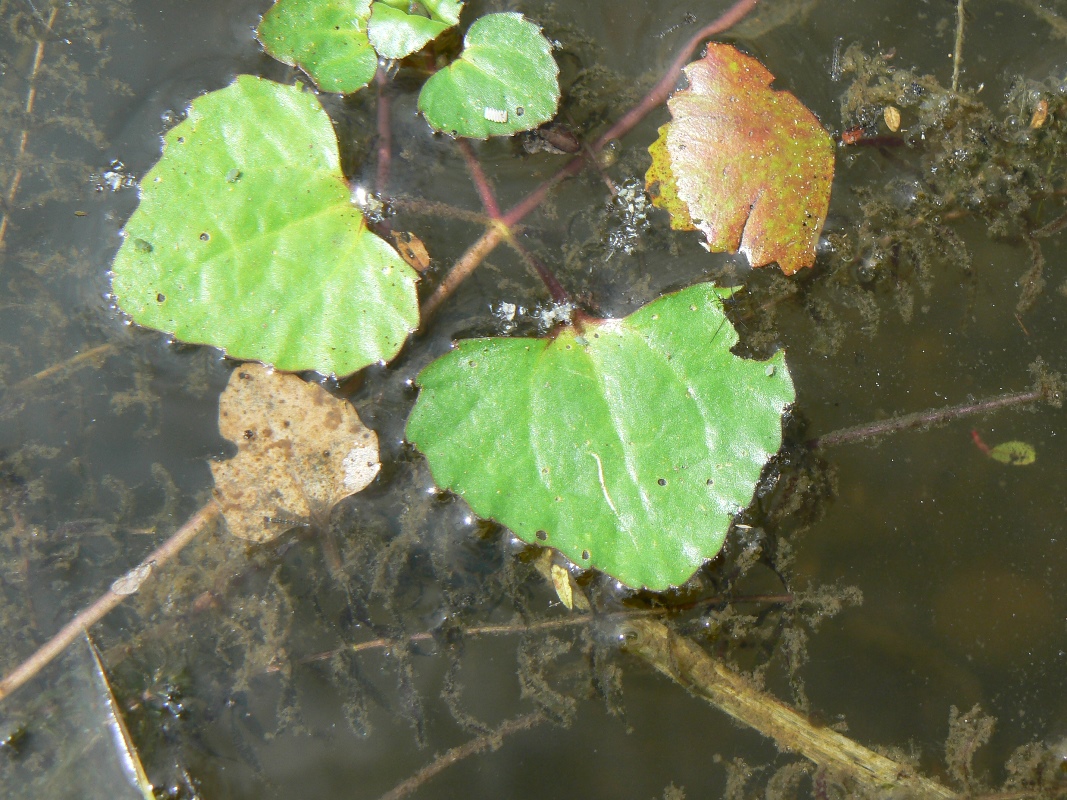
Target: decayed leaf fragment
[[751, 165], [299, 451]]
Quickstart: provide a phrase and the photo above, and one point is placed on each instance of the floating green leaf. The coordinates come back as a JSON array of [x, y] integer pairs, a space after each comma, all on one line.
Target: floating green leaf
[[1017, 454], [627, 444], [751, 166], [504, 81], [245, 239], [399, 27], [325, 38]]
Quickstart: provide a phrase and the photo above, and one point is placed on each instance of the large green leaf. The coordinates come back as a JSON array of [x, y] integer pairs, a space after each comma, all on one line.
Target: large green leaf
[[628, 445], [325, 38], [399, 27], [245, 239], [504, 81], [749, 166]]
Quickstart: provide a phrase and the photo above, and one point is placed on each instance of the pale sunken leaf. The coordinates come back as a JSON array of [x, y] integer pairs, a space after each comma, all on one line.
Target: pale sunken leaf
[[398, 27], [325, 38], [504, 81], [628, 445], [245, 238], [299, 451], [752, 165]]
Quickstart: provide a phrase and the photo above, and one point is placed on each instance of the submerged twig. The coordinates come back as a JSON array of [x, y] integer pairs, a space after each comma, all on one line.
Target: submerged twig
[[24, 138], [686, 663], [931, 416], [385, 135], [71, 363], [490, 741], [121, 589], [957, 52]]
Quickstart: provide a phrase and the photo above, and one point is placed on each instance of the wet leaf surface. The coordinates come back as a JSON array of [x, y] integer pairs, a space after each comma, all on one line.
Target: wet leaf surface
[[505, 81], [328, 40], [399, 28], [628, 445], [299, 451], [747, 165], [245, 238]]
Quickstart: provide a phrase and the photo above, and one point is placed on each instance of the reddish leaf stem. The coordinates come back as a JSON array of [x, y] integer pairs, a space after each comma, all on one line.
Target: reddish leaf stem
[[485, 190], [489, 240], [385, 133]]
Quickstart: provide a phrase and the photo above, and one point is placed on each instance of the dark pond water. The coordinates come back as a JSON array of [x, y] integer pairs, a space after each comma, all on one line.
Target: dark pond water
[[233, 666]]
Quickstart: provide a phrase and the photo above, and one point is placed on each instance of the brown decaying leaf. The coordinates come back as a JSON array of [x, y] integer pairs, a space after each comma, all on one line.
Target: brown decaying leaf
[[299, 451], [752, 164]]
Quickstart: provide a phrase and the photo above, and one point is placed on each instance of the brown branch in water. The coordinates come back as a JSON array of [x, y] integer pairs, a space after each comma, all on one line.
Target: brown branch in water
[[957, 53], [689, 665], [548, 278], [480, 744], [24, 139], [485, 190], [74, 362], [931, 416], [121, 589]]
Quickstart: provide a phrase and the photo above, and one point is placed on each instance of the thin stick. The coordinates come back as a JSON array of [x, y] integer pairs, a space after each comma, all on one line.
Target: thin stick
[[24, 139], [119, 591], [686, 663], [957, 53], [73, 362], [555, 288], [480, 744], [491, 238], [932, 416]]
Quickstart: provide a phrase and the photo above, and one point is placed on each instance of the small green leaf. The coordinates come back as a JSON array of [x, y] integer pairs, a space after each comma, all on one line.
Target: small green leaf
[[749, 166], [1017, 454], [398, 29], [504, 81], [629, 445], [245, 239], [325, 38]]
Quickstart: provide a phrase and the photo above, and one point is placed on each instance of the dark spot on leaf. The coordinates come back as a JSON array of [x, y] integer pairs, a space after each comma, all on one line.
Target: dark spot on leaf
[[141, 246], [244, 376], [250, 434], [662, 481], [585, 555], [542, 535], [205, 236], [519, 111], [160, 297]]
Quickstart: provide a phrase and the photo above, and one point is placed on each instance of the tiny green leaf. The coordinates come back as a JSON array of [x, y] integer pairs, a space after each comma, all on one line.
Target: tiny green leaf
[[245, 239], [1017, 454], [325, 38], [504, 81], [749, 166], [398, 29], [628, 445]]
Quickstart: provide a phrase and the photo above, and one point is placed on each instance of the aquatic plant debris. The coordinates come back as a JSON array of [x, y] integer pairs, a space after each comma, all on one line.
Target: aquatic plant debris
[[398, 27], [327, 39], [747, 165], [628, 445], [245, 238], [505, 81], [299, 451]]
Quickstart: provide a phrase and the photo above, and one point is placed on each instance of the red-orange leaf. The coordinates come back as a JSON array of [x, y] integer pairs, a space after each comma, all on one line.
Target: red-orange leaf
[[751, 165]]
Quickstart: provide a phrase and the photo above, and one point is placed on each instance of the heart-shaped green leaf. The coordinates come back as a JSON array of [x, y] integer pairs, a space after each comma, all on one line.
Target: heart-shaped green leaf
[[627, 444], [325, 38], [398, 28], [245, 239], [504, 81], [749, 166]]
